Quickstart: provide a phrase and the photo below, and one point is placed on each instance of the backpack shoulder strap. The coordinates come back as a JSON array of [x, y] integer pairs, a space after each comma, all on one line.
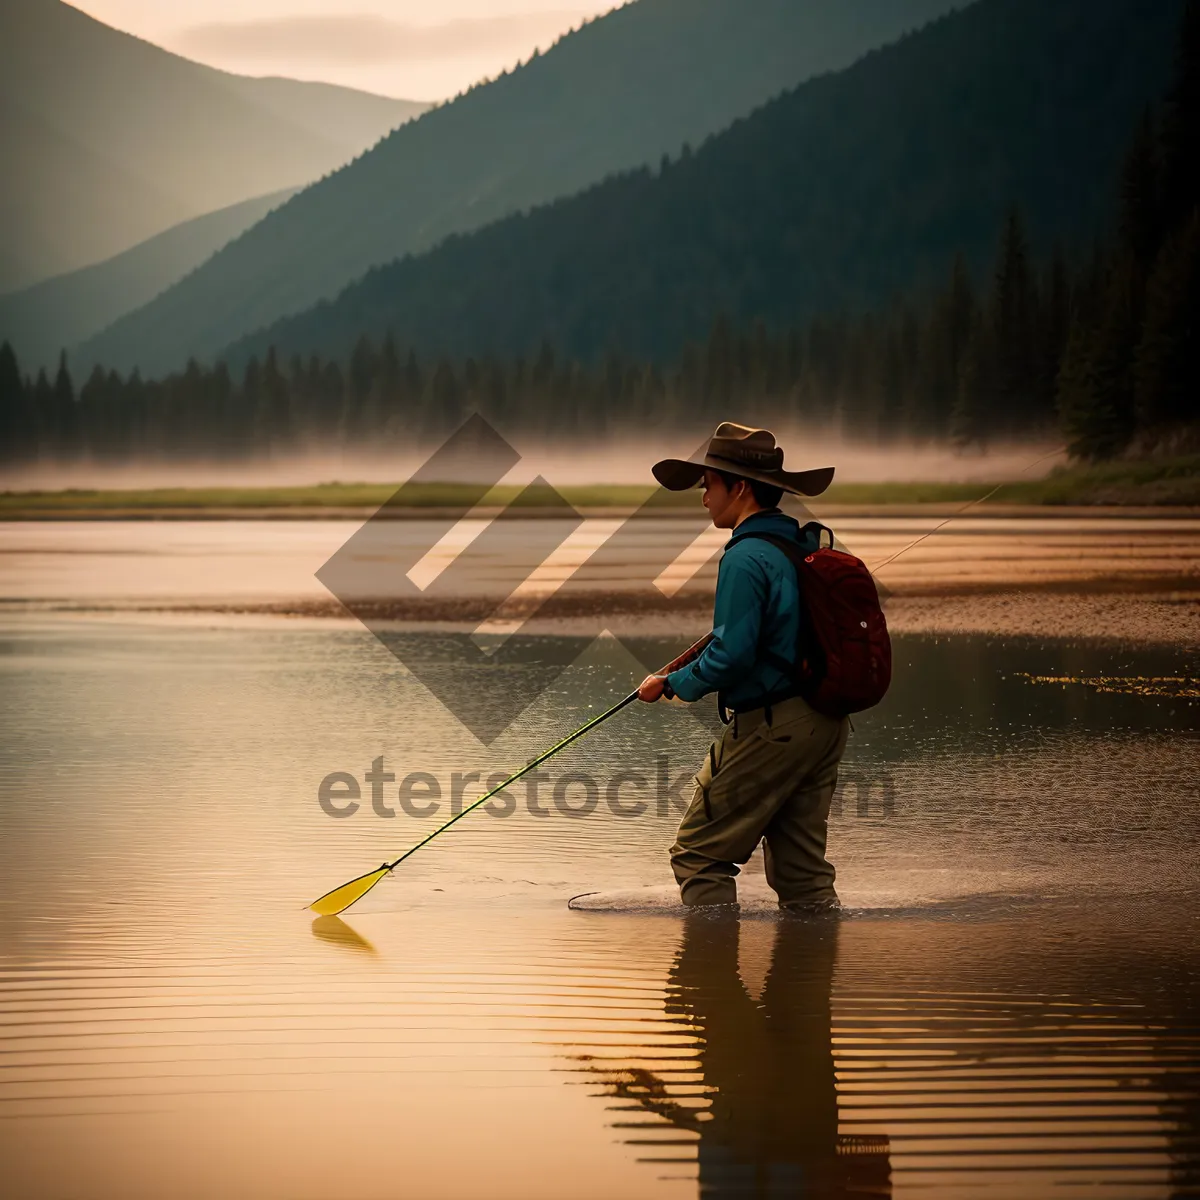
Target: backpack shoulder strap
[[795, 555], [817, 529], [780, 543]]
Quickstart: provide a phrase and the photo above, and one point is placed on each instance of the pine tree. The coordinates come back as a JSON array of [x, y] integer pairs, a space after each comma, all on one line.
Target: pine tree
[[717, 388], [1013, 321], [1053, 331], [543, 372], [134, 404], [66, 424], [1167, 372], [1096, 399], [333, 392], [46, 431], [412, 388], [360, 375], [653, 393], [386, 392], [884, 415], [972, 417], [230, 438], [252, 402], [945, 332], [446, 397], [95, 420], [1078, 393], [15, 432], [273, 414], [960, 309]]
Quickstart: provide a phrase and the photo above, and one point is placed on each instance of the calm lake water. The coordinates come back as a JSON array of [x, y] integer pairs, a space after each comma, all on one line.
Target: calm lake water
[[1009, 1008]]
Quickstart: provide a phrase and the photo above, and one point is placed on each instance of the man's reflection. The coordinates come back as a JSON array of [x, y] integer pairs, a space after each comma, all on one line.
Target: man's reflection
[[771, 1129]]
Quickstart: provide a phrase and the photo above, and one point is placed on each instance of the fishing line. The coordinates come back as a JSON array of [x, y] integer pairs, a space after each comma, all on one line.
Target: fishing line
[[966, 508]]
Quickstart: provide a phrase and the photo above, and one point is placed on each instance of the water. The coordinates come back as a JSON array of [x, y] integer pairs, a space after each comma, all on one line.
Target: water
[[102, 563], [1009, 1009]]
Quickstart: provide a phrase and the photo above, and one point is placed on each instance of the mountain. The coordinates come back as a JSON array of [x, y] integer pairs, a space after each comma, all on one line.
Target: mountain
[[617, 93], [849, 189], [65, 310], [108, 140]]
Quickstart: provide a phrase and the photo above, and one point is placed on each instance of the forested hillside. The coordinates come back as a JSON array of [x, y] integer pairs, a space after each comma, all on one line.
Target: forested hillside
[[837, 196], [620, 92]]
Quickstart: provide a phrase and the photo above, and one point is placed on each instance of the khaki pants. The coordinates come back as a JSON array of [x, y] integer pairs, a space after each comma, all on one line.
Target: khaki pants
[[766, 780]]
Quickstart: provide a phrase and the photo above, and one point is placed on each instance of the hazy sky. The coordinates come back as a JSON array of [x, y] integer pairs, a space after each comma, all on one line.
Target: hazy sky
[[416, 49]]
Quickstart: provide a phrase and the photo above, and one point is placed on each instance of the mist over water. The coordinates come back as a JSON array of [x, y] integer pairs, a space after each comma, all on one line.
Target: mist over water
[[622, 460]]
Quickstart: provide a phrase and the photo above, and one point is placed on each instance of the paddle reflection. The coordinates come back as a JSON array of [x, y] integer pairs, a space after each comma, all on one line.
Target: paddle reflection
[[335, 930]]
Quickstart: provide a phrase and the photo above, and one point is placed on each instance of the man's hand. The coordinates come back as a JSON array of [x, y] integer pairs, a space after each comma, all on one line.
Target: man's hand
[[651, 688]]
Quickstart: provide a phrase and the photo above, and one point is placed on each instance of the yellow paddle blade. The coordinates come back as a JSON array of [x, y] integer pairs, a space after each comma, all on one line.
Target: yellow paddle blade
[[340, 899]]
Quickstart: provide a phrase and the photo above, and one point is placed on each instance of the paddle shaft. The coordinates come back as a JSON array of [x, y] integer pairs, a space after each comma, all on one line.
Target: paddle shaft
[[691, 653]]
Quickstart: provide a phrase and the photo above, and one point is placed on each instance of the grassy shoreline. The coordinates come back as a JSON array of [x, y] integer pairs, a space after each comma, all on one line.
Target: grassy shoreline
[[1170, 482]]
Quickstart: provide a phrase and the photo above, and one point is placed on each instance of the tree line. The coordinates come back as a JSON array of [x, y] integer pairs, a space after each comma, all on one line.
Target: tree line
[[1100, 347], [913, 370]]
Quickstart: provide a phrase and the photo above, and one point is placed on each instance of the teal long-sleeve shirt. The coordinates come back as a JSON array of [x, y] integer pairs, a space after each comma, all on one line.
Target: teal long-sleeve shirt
[[757, 609]]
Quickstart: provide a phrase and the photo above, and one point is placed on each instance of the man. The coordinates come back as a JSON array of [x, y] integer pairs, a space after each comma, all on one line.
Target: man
[[772, 774]]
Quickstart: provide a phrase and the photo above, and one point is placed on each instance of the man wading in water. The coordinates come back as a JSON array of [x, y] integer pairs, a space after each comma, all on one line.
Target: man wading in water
[[772, 774]]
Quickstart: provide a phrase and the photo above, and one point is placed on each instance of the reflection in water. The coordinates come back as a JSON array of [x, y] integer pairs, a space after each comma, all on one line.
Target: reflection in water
[[335, 930], [942, 1057], [766, 1069], [170, 1025], [1183, 1110]]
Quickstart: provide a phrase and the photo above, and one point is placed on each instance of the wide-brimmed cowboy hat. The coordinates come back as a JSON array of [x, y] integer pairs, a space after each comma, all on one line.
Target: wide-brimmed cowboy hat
[[750, 453]]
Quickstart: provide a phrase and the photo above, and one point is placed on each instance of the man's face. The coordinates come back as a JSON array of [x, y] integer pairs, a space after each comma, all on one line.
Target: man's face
[[723, 503]]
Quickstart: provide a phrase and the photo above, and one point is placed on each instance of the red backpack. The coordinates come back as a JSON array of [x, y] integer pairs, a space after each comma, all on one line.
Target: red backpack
[[843, 661]]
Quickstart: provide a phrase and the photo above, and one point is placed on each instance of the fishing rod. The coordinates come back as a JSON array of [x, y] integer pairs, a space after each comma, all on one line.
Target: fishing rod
[[340, 898]]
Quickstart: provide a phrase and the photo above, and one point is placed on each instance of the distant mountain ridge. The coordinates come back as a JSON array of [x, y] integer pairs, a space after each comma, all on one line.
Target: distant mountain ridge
[[620, 92], [59, 312], [849, 189], [108, 140]]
